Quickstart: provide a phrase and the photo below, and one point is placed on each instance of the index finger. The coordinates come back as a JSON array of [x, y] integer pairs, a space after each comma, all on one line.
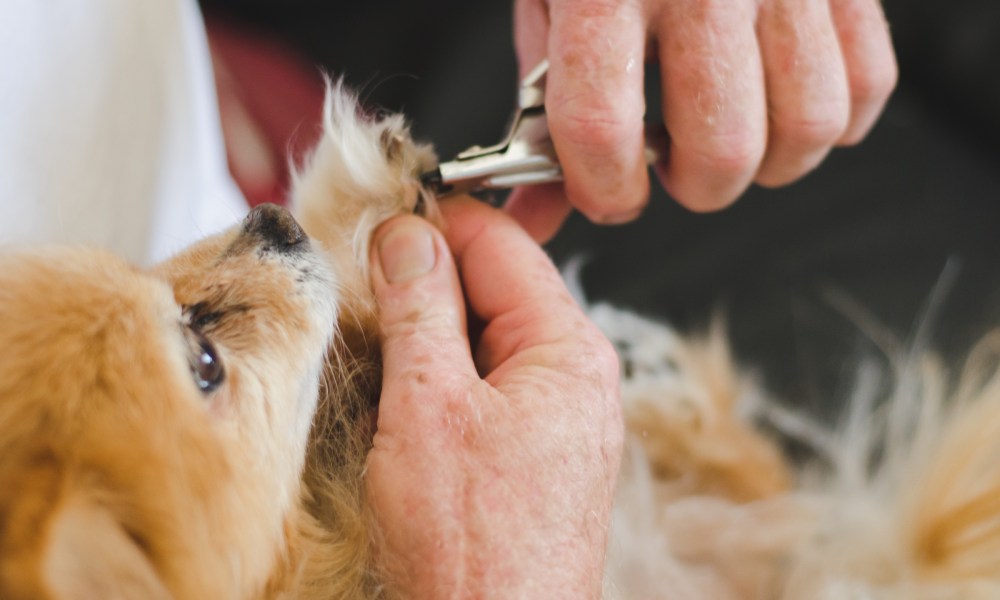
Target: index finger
[[512, 285], [594, 105]]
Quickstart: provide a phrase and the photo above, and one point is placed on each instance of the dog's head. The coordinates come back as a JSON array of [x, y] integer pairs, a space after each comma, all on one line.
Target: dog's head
[[153, 425]]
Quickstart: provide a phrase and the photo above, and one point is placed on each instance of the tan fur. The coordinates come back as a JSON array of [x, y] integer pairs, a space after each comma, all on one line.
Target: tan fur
[[104, 436], [696, 441]]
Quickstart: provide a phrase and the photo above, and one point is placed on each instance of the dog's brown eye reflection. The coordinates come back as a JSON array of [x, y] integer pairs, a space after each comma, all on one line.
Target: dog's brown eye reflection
[[205, 364]]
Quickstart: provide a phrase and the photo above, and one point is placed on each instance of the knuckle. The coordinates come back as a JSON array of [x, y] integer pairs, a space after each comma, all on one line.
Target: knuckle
[[608, 358], [731, 155], [601, 358], [595, 359], [599, 132], [614, 438], [596, 127], [600, 148], [816, 127], [875, 84]]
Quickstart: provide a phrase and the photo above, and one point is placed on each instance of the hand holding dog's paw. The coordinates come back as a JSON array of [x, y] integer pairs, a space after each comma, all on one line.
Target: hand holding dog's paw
[[492, 471]]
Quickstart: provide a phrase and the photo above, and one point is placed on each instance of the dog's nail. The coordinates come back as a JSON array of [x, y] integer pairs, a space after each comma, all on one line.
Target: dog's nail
[[407, 252]]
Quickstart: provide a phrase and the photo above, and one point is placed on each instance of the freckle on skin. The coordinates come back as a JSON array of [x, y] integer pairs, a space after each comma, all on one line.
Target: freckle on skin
[[591, 33], [421, 359]]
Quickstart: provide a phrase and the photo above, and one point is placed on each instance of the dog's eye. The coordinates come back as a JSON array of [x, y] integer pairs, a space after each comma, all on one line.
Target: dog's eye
[[206, 368]]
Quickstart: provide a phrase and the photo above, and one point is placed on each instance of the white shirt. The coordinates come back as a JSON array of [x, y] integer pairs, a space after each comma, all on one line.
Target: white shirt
[[109, 127]]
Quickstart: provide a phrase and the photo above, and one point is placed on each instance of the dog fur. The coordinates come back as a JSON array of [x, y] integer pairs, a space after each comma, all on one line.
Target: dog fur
[[120, 478], [902, 500]]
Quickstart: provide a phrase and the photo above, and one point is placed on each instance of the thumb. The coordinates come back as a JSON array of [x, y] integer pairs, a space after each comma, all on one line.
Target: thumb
[[421, 313]]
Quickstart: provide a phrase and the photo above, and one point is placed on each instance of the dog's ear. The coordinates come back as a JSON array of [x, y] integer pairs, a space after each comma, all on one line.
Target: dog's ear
[[89, 554], [58, 541]]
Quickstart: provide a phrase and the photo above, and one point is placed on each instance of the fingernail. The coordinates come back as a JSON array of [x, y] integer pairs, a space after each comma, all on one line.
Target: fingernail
[[619, 218], [407, 252]]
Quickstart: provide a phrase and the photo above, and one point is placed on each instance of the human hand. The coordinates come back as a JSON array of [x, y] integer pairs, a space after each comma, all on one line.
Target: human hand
[[753, 90], [492, 473]]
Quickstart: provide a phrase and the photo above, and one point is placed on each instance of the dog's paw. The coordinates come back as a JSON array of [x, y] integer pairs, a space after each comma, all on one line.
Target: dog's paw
[[365, 169]]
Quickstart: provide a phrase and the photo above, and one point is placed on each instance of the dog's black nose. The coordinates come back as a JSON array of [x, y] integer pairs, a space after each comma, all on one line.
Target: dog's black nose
[[275, 227]]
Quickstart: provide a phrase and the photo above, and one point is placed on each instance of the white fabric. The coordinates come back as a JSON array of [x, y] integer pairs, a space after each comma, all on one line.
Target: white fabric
[[109, 128]]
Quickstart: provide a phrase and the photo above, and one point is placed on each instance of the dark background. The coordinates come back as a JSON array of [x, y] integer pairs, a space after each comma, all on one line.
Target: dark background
[[874, 227]]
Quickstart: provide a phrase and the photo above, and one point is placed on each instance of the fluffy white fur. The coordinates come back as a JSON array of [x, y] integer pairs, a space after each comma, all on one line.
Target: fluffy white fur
[[904, 503]]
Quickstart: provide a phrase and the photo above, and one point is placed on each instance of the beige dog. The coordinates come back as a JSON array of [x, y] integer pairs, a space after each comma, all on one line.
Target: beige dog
[[200, 430], [155, 426]]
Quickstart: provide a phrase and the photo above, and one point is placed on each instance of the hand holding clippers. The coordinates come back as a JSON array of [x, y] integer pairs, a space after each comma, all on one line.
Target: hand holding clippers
[[526, 156]]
